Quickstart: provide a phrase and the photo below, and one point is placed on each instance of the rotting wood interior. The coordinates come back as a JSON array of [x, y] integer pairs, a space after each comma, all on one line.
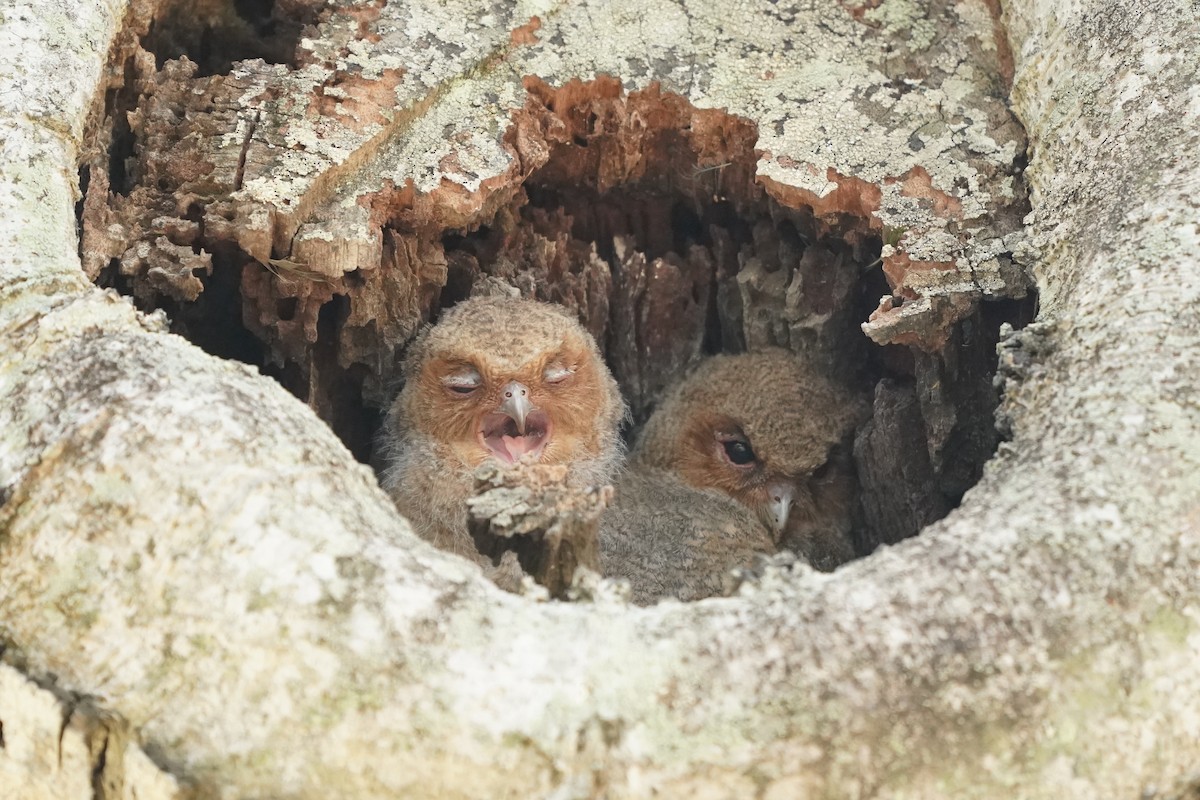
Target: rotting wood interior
[[638, 210]]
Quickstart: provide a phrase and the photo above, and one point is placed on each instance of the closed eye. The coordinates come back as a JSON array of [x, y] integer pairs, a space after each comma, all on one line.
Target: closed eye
[[558, 374], [463, 383]]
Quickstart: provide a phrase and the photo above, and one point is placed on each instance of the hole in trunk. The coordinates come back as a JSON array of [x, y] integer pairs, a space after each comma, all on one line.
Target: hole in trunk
[[646, 219]]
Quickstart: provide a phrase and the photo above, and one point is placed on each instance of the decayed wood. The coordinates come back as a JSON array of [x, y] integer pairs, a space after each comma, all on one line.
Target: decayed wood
[[553, 529], [892, 457], [182, 539], [289, 184]]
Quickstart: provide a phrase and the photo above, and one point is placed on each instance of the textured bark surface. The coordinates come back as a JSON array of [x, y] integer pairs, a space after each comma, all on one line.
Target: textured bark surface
[[55, 748], [186, 542], [308, 217]]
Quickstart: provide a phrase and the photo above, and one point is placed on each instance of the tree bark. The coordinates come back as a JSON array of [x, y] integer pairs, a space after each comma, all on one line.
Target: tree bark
[[65, 748], [185, 542]]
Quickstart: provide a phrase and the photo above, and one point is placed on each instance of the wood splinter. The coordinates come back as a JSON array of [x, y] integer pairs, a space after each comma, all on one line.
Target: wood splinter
[[529, 509]]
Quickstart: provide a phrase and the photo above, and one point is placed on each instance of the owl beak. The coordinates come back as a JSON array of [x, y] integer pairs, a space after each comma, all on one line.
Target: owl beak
[[516, 404], [779, 497]]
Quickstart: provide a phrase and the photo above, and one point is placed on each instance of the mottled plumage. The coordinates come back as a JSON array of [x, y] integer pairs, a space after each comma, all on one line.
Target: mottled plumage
[[740, 458], [501, 379]]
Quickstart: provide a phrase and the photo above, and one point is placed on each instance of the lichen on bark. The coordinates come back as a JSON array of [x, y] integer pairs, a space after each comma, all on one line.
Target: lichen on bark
[[281, 632], [308, 218]]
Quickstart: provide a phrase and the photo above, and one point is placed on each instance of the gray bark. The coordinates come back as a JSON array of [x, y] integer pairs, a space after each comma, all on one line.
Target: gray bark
[[65, 748], [187, 543]]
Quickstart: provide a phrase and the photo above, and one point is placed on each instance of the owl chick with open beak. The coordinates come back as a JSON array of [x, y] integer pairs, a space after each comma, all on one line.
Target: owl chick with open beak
[[740, 458], [502, 379]]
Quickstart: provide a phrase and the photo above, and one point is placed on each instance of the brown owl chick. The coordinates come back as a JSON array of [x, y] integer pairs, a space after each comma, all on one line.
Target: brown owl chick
[[760, 430], [500, 379]]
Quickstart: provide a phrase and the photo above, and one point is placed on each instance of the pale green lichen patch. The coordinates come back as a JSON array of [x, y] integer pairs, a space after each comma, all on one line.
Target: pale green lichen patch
[[906, 19], [840, 103]]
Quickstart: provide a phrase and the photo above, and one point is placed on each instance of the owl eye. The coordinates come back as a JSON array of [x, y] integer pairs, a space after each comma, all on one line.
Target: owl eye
[[738, 452], [463, 383], [558, 374]]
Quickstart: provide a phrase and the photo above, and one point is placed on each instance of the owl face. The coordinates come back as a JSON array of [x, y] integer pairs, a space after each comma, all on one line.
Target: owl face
[[512, 380], [495, 408], [716, 452], [758, 427]]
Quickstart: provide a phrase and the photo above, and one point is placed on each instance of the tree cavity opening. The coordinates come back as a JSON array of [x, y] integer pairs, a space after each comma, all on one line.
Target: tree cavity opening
[[640, 212]]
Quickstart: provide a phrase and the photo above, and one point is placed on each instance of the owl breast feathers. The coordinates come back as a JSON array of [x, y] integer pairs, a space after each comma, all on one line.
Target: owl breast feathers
[[501, 380]]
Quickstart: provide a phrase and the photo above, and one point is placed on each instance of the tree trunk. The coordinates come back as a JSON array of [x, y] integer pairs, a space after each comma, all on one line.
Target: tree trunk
[[189, 546]]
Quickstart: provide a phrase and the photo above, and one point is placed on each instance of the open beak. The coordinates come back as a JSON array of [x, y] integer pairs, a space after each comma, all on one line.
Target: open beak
[[779, 499], [515, 430], [516, 404]]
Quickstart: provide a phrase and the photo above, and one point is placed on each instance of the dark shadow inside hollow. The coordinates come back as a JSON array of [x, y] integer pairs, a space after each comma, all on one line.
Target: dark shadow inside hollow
[[217, 33]]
